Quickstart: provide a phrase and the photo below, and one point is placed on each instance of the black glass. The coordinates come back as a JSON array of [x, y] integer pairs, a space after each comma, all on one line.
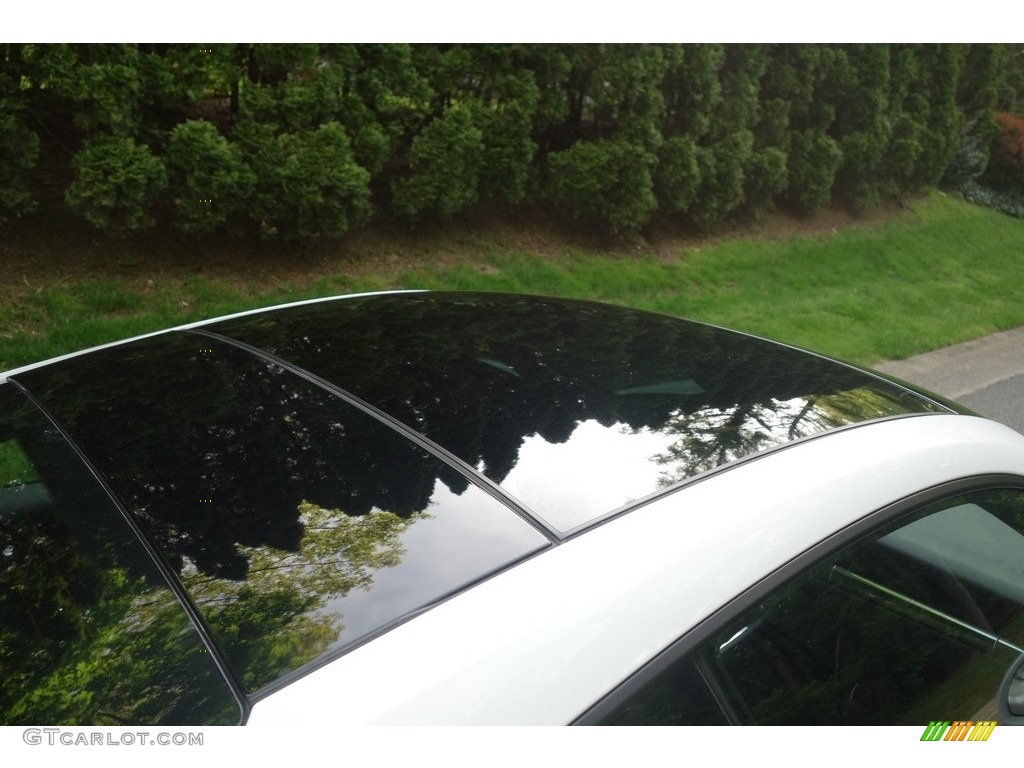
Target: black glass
[[298, 523], [90, 633], [678, 698], [574, 408]]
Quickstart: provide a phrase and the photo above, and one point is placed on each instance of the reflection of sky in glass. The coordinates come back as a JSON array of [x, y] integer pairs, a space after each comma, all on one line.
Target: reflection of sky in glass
[[596, 470], [457, 539], [468, 534], [599, 469]]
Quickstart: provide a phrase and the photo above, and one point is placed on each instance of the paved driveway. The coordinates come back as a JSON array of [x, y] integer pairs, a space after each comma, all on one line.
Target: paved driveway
[[986, 375]]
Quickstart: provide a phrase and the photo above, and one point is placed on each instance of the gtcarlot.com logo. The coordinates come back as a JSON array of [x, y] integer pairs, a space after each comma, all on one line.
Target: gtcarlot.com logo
[[958, 730], [67, 737]]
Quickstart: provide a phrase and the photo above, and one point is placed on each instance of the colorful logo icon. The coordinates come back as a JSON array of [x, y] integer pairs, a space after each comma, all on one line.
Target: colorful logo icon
[[958, 730]]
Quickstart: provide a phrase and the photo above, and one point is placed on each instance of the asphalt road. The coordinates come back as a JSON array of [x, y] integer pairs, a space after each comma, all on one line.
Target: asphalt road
[[986, 375]]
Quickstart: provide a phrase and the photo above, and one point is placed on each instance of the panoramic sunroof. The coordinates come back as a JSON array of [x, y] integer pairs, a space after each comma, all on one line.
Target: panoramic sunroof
[[574, 408]]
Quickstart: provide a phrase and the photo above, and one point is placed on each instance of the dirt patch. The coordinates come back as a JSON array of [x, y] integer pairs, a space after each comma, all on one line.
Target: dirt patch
[[40, 251]]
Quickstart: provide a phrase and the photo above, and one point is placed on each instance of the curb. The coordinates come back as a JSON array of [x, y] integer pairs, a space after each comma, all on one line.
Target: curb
[[964, 368]]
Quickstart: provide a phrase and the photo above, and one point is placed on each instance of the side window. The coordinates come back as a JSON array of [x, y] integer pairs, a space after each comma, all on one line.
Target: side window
[[677, 698], [90, 633], [919, 622]]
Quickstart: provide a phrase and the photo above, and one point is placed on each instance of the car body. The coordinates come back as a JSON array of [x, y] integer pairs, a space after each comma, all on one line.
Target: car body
[[454, 508]]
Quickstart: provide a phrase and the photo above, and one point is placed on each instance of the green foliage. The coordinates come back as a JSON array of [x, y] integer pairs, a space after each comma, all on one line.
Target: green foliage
[[509, 102], [677, 175], [106, 85], [798, 77], [691, 90], [722, 168], [294, 87], [370, 144], [385, 100], [1001, 187], [707, 128], [116, 184], [740, 79], [977, 92], [1011, 83], [623, 93], [905, 151], [175, 76], [210, 181], [813, 162], [308, 184], [861, 76], [549, 67], [605, 181], [943, 122], [510, 150], [772, 130], [19, 151], [736, 171], [445, 164], [765, 176], [1006, 200], [972, 155]]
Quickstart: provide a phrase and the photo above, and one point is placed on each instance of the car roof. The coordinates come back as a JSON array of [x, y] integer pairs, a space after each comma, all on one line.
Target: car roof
[[387, 451], [575, 409]]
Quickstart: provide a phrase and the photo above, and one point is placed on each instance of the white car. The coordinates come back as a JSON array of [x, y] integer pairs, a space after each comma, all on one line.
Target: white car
[[485, 508]]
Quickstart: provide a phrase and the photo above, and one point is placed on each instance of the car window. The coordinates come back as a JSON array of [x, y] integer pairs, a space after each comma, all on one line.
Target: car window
[[90, 633], [299, 524], [919, 622], [576, 409], [680, 697]]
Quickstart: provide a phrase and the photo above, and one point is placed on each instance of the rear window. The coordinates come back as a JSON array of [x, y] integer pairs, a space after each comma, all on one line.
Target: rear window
[[90, 632], [299, 524]]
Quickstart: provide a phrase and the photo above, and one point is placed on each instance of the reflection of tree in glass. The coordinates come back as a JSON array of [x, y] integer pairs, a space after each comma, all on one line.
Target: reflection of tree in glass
[[856, 404], [711, 437], [123, 651], [172, 427], [262, 567], [271, 622], [15, 469], [89, 631], [134, 659]]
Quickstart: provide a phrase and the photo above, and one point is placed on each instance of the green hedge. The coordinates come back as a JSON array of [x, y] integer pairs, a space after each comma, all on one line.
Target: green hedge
[[312, 140]]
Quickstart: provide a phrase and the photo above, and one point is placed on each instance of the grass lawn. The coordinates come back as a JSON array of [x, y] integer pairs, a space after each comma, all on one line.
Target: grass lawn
[[941, 272]]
